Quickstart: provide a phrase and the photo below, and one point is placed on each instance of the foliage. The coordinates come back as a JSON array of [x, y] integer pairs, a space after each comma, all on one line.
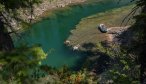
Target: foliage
[[64, 75], [140, 35], [124, 69], [80, 77], [17, 64]]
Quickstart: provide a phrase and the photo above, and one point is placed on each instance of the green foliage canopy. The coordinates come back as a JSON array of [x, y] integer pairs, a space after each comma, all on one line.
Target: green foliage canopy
[[17, 64]]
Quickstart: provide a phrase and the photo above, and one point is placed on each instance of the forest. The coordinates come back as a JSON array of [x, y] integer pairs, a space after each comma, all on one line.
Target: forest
[[72, 41]]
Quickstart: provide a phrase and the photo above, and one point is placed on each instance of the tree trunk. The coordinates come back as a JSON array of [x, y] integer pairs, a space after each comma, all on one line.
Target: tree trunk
[[143, 53], [6, 43]]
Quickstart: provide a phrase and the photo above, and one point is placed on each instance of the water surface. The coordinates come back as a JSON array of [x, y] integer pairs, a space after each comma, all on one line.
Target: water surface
[[51, 32]]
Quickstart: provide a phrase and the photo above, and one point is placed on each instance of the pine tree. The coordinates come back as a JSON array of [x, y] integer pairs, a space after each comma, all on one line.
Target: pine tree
[[16, 63], [140, 26], [9, 7]]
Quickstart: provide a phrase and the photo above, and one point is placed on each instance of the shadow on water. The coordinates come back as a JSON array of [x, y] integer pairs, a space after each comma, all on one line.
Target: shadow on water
[[51, 32]]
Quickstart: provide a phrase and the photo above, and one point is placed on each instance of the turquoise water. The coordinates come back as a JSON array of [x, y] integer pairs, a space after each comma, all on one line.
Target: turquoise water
[[51, 32]]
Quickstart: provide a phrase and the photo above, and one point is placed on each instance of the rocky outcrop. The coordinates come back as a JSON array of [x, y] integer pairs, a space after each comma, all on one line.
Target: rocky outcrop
[[114, 34]]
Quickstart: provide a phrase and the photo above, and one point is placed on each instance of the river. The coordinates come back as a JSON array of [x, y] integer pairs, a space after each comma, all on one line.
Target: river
[[51, 32]]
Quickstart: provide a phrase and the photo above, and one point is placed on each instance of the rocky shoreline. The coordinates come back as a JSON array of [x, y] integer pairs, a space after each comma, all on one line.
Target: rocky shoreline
[[26, 17], [45, 6]]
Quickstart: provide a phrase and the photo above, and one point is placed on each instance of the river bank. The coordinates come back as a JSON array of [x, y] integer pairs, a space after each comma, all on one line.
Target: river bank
[[86, 32], [98, 46]]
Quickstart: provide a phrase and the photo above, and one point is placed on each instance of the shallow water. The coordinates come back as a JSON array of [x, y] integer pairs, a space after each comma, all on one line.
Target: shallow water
[[54, 30]]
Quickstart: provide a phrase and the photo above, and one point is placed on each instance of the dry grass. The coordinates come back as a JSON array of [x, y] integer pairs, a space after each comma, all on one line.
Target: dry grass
[[86, 31]]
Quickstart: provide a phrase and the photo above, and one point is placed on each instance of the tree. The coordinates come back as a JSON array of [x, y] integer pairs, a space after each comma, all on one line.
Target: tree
[[140, 26], [16, 63], [140, 43], [8, 9]]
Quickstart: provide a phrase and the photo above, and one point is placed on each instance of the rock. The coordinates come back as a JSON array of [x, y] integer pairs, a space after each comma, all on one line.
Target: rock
[[67, 42], [76, 47]]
